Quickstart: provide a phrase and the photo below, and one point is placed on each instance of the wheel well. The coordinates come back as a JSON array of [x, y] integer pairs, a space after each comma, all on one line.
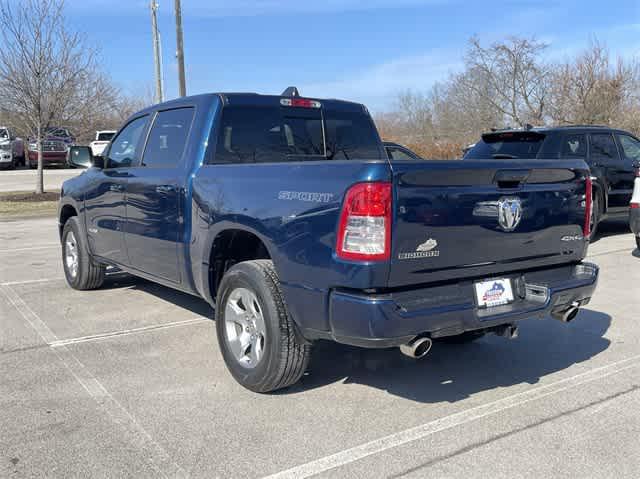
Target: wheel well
[[67, 212], [231, 247]]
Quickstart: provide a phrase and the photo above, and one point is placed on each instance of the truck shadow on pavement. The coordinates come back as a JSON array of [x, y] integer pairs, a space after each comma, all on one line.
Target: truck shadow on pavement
[[118, 280], [450, 373]]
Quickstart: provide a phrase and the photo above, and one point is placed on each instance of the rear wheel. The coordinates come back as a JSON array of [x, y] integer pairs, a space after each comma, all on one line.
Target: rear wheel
[[257, 337], [638, 241], [80, 270]]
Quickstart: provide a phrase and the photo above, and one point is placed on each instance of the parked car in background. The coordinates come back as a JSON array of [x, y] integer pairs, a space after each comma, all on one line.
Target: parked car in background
[[396, 151], [103, 137], [609, 152], [12, 152], [55, 145], [289, 216], [634, 208]]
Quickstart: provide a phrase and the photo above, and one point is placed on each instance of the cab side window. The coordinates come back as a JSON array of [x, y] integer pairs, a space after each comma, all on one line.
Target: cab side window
[[168, 138], [630, 147], [603, 147], [399, 154], [125, 148], [574, 146]]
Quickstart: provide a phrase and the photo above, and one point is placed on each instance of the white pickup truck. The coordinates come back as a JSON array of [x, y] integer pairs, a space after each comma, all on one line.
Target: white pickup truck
[[11, 149], [103, 138]]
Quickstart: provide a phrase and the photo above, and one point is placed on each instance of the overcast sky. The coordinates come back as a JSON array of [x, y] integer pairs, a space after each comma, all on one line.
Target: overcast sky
[[359, 50]]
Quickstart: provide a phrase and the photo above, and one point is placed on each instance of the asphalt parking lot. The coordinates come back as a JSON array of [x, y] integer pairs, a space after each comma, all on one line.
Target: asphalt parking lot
[[25, 179], [128, 381]]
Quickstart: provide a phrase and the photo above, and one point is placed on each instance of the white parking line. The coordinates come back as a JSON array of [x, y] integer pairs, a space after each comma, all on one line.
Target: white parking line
[[377, 446], [150, 450], [126, 332], [30, 281], [30, 248]]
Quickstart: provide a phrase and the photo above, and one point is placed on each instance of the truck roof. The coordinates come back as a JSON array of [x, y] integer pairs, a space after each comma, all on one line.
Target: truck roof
[[546, 129], [248, 99]]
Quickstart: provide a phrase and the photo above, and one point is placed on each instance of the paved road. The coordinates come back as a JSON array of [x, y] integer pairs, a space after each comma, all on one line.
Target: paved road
[[128, 381], [25, 180]]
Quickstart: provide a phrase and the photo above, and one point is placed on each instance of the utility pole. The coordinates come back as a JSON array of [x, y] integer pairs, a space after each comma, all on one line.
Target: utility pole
[[180, 49], [156, 50]]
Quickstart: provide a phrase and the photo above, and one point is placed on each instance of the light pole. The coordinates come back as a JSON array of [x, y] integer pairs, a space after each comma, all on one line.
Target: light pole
[[156, 50], [180, 49]]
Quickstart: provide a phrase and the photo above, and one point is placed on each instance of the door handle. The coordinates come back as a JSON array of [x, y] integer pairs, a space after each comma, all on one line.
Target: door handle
[[164, 189], [116, 188]]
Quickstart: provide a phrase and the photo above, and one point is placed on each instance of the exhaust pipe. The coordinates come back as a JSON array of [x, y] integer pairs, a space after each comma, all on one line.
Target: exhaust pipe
[[416, 348], [567, 315], [509, 331]]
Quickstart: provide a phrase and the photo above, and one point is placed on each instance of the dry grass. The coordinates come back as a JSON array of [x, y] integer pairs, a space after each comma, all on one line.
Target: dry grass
[[28, 204]]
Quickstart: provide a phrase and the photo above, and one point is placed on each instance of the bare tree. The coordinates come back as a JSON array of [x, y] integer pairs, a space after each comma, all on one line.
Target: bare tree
[[47, 72], [509, 84], [590, 89], [510, 76]]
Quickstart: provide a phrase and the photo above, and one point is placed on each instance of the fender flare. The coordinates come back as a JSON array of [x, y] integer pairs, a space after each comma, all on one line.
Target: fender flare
[[68, 201], [213, 232]]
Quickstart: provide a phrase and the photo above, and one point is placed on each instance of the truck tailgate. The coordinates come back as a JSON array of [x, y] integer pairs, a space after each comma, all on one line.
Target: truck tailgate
[[461, 219]]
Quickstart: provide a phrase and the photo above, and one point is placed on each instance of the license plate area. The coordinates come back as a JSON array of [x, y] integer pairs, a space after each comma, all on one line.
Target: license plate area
[[493, 292]]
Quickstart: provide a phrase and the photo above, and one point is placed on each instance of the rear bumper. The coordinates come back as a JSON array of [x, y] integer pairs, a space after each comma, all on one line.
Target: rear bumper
[[385, 320]]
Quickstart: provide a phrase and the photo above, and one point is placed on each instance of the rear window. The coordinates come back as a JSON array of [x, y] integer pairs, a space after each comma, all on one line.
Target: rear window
[[507, 145], [254, 134]]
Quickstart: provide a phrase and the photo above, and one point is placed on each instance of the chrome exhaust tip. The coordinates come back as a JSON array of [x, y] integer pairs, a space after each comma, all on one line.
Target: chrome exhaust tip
[[416, 348], [567, 315]]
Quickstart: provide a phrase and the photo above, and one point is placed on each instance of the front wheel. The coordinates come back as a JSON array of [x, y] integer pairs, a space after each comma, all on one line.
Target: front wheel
[[257, 337], [80, 270]]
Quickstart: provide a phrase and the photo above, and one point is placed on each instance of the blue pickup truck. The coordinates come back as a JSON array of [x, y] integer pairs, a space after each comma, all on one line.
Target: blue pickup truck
[[286, 215]]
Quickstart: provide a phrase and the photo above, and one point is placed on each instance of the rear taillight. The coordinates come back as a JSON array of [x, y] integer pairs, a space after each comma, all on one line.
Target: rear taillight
[[364, 230], [588, 204]]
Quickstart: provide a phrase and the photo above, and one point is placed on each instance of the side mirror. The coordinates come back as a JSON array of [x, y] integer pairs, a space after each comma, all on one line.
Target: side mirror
[[80, 157]]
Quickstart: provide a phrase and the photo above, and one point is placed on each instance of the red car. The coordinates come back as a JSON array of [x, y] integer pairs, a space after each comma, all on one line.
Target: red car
[[55, 145]]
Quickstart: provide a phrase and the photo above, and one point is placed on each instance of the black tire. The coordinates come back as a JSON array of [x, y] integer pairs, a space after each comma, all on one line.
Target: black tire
[[88, 274], [32, 165], [463, 338], [638, 241], [596, 214], [285, 354]]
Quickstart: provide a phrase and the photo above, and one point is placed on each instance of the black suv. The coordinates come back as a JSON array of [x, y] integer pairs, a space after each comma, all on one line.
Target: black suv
[[610, 153]]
